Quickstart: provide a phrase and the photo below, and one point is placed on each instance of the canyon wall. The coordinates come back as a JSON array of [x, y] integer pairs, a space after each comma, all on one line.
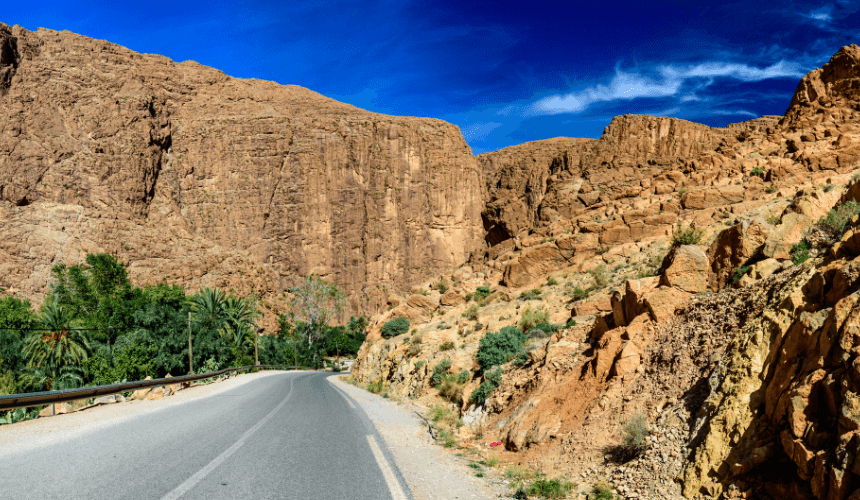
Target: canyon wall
[[194, 177]]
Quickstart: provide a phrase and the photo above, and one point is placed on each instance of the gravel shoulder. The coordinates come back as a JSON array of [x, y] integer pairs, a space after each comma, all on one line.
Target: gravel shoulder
[[431, 471], [46, 431]]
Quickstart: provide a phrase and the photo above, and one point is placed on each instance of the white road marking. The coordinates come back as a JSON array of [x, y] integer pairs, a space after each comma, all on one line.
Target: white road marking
[[390, 478], [341, 393], [202, 473]]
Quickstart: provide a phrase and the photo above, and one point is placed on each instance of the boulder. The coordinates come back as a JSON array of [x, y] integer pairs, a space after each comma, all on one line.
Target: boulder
[[708, 197], [732, 248], [59, 409], [662, 303], [141, 394], [424, 303], [629, 359], [533, 264], [452, 298], [687, 270]]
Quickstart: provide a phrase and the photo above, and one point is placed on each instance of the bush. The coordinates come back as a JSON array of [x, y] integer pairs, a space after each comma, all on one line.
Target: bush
[[833, 225], [551, 282], [472, 313], [531, 294], [601, 491], [740, 273], [600, 276], [634, 434], [800, 253], [440, 371], [770, 189], [414, 350], [375, 387], [481, 292], [442, 285], [497, 348], [419, 363], [757, 172], [463, 377], [688, 236], [579, 294], [446, 346], [532, 318], [396, 326], [570, 323], [491, 382], [550, 488]]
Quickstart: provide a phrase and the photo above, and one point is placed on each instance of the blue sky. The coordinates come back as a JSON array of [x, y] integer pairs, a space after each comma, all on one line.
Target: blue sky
[[504, 72]]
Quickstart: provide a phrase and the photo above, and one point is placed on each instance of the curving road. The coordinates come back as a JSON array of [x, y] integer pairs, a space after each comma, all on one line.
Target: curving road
[[288, 435]]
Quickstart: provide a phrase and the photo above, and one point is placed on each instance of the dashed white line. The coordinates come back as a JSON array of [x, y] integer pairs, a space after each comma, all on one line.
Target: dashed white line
[[202, 473]]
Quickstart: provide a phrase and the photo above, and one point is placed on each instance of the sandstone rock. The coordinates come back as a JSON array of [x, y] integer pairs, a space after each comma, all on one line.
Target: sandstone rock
[[662, 303], [688, 269], [629, 359], [192, 176], [700, 199], [59, 409], [142, 393], [452, 298], [733, 248], [426, 304]]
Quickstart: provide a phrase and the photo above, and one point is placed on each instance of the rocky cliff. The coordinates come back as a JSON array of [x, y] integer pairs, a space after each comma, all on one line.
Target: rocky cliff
[[694, 278], [195, 177]]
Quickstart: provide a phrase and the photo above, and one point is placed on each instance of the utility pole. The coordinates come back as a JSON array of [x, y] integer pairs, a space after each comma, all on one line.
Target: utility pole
[[256, 359], [190, 359]]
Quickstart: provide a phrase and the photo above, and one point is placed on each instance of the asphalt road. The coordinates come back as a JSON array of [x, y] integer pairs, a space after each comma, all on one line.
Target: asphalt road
[[284, 436]]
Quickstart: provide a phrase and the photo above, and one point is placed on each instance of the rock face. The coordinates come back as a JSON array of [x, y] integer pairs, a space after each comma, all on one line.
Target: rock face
[[195, 177]]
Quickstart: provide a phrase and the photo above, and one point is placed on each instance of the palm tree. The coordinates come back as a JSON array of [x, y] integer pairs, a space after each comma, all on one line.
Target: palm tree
[[209, 305], [55, 354], [240, 321]]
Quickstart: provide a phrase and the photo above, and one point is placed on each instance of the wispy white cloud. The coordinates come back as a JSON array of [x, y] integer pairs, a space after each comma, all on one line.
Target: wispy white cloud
[[731, 112], [823, 14], [668, 81], [479, 131]]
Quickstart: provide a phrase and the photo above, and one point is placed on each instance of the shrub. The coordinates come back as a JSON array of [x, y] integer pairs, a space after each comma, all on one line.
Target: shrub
[[688, 236], [497, 348], [472, 313], [531, 294], [600, 276], [481, 292], [740, 273], [396, 326], [634, 434], [446, 346], [442, 285], [833, 225], [419, 363], [770, 189], [532, 318], [570, 323], [463, 377], [829, 187], [491, 382], [579, 293], [550, 488], [800, 253], [375, 387], [757, 172], [414, 350], [601, 491], [440, 371], [551, 281]]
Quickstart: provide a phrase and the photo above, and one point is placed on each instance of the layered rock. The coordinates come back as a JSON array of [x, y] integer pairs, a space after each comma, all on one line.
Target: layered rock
[[195, 177]]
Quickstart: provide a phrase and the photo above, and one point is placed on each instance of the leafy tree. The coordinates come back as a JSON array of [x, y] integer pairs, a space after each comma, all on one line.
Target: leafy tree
[[56, 354], [16, 319], [98, 296], [317, 302]]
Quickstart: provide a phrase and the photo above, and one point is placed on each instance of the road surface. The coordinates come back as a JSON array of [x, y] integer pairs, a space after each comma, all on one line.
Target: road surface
[[287, 435]]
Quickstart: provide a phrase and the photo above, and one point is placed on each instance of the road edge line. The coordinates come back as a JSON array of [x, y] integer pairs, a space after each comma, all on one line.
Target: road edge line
[[390, 479]]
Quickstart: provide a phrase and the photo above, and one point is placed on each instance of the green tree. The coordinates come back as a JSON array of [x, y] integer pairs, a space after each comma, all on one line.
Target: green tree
[[317, 302], [55, 355], [17, 318]]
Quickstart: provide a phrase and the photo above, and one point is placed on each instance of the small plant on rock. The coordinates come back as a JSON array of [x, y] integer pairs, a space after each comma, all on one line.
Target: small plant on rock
[[634, 436], [550, 488], [446, 346], [834, 224], [531, 318], [800, 253], [531, 294], [687, 236], [757, 172], [481, 292], [396, 326], [472, 313], [601, 491], [551, 281], [442, 285], [740, 273], [491, 382], [600, 276]]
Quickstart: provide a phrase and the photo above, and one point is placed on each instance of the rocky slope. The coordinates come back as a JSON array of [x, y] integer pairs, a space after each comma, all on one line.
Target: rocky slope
[[740, 354], [195, 177]]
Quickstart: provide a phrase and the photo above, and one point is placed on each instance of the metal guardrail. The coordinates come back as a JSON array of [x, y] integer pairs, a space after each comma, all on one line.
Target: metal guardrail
[[48, 397]]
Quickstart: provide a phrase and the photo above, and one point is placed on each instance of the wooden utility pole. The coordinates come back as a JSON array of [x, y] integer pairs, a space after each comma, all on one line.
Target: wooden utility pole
[[190, 358], [256, 359]]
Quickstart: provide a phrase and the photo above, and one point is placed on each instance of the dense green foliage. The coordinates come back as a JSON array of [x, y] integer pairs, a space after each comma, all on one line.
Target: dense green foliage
[[834, 224], [481, 292], [501, 347], [492, 381], [800, 253], [96, 328], [395, 327]]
